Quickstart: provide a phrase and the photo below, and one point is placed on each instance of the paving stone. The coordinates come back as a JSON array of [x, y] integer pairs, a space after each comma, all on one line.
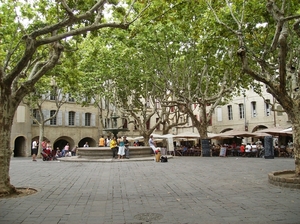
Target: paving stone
[[184, 190]]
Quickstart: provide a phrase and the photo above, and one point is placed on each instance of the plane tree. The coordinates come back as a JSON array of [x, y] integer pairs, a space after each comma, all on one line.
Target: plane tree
[[192, 61], [33, 38], [266, 37], [122, 76]]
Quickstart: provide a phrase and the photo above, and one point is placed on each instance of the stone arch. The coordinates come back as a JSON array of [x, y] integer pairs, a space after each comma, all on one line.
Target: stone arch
[[62, 141], [226, 129], [91, 142], [20, 147], [259, 127]]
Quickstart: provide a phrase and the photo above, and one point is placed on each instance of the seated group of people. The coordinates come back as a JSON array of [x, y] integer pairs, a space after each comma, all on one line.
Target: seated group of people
[[65, 152], [251, 149], [57, 153]]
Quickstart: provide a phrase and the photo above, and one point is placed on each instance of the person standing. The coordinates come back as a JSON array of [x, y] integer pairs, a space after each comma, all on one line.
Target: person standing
[[34, 150], [101, 141], [108, 141], [86, 145], [73, 151], [114, 146], [126, 142], [121, 151]]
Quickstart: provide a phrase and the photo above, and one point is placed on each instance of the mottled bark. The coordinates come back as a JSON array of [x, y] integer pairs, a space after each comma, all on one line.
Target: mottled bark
[[7, 111]]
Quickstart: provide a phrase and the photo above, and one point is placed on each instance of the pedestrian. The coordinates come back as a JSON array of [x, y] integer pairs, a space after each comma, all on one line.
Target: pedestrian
[[121, 151], [114, 147], [34, 149], [101, 141], [126, 142], [107, 143], [73, 151], [86, 145]]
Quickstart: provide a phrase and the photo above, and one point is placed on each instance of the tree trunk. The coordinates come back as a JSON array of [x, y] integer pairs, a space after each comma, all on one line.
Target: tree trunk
[[202, 128], [7, 111], [296, 143], [41, 138]]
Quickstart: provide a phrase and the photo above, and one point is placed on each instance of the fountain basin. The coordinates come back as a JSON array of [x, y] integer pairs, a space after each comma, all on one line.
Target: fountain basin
[[106, 152]]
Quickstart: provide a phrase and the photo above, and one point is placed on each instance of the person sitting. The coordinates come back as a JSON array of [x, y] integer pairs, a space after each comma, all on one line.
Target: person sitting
[[65, 151], [58, 154], [282, 151], [254, 149], [242, 149], [184, 150], [248, 149]]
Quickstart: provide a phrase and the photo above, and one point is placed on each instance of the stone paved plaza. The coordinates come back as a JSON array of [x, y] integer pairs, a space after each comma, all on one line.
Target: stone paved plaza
[[184, 190]]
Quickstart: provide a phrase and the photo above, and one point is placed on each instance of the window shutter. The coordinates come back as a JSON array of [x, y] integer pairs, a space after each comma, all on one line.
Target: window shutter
[[83, 119], [219, 114], [93, 120], [77, 119], [66, 118], [59, 118]]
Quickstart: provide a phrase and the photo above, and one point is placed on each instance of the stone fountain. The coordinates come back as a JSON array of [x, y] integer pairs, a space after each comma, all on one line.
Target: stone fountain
[[114, 126], [96, 153]]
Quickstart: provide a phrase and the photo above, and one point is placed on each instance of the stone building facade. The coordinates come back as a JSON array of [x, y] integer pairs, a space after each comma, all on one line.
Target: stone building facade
[[77, 125]]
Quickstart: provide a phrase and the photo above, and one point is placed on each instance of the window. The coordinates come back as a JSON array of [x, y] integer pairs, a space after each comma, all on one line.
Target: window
[[230, 115], [253, 109], [36, 115], [87, 99], [53, 93], [268, 108], [172, 109], [70, 98], [242, 111], [71, 118], [148, 124], [87, 119], [53, 120]]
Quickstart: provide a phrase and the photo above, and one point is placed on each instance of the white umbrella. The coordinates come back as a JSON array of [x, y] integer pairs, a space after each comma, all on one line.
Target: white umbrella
[[129, 138], [275, 131], [168, 136], [187, 135], [155, 136]]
